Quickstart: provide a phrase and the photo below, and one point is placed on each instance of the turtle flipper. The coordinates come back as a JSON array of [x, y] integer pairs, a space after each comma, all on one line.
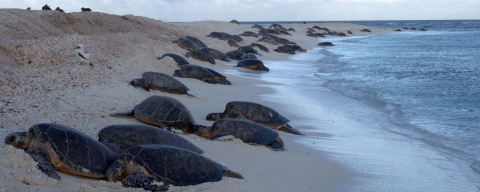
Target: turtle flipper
[[233, 174], [130, 113], [140, 180], [287, 128], [42, 162]]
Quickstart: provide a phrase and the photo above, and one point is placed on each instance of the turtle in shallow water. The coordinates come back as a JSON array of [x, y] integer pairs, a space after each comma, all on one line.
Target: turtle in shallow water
[[216, 54], [247, 131], [141, 165], [252, 64], [161, 82], [125, 136], [177, 58], [201, 73], [201, 56], [186, 44], [162, 111], [197, 42], [257, 113], [58, 147], [284, 49]]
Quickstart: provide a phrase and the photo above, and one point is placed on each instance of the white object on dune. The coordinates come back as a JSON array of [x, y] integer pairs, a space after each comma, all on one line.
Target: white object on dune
[[84, 56]]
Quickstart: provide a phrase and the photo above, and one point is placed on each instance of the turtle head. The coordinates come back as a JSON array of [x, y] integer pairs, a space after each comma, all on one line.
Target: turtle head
[[115, 171], [203, 131], [213, 116], [18, 140], [211, 61]]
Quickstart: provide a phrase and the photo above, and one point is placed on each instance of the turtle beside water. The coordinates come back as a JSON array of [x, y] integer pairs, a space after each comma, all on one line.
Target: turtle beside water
[[257, 113], [202, 73], [161, 82]]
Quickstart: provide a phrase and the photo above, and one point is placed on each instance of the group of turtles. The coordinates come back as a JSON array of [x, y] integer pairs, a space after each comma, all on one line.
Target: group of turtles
[[139, 155]]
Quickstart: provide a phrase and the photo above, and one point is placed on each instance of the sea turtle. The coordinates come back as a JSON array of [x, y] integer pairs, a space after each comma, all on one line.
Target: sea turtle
[[248, 56], [141, 165], [177, 58], [257, 113], [326, 44], [125, 136], [247, 131], [296, 47], [283, 41], [186, 44], [272, 39], [201, 73], [58, 147], [284, 49], [216, 54], [235, 54], [235, 22], [215, 35], [201, 56], [162, 111], [237, 38], [291, 29], [248, 49], [160, 81], [249, 34], [277, 27], [226, 36], [260, 46], [317, 27], [252, 64], [368, 30], [258, 26], [197, 42], [232, 43]]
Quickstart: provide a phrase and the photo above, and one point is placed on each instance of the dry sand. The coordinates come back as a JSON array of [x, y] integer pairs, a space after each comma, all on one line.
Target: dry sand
[[41, 80]]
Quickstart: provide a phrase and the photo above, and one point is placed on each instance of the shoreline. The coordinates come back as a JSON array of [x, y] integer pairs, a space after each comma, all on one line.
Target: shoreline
[[40, 88]]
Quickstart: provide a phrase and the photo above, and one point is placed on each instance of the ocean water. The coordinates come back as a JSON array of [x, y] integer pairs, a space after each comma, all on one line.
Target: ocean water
[[406, 104]]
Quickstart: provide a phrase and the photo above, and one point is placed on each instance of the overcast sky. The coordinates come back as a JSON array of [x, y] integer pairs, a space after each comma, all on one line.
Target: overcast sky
[[269, 10]]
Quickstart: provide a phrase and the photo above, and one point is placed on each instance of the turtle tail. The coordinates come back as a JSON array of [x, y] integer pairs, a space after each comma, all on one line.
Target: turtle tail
[[130, 113], [287, 128], [233, 174]]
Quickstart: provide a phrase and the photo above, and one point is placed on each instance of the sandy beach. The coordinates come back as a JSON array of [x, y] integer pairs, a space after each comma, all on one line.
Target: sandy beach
[[43, 81]]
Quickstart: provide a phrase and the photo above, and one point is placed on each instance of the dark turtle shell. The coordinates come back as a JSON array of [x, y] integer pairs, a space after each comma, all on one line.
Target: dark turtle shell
[[226, 36], [161, 82], [187, 44], [125, 136], [248, 49], [232, 43], [201, 73], [284, 49], [177, 58], [235, 54], [260, 46], [248, 56], [197, 42], [215, 35], [201, 56], [252, 64], [173, 165], [215, 53], [255, 112], [71, 151], [249, 34], [162, 111], [246, 131]]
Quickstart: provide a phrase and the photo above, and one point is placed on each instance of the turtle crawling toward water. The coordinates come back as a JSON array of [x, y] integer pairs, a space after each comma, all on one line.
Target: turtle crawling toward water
[[141, 165], [202, 73], [162, 111], [257, 113], [125, 136], [58, 147], [252, 64], [161, 82], [247, 131]]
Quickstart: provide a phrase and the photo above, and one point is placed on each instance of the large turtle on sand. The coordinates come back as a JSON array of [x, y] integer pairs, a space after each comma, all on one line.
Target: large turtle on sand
[[186, 44], [201, 73], [141, 165], [235, 54], [201, 56], [58, 147], [197, 42], [161, 82], [232, 43], [247, 131], [248, 49], [177, 58], [125, 136], [216, 54], [284, 49], [162, 111], [256, 113], [252, 64]]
